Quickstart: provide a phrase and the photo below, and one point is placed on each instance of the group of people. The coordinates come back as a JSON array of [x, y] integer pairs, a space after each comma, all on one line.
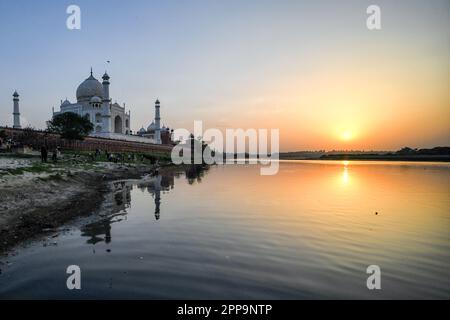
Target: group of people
[[56, 154], [44, 154], [112, 157], [119, 157], [6, 144]]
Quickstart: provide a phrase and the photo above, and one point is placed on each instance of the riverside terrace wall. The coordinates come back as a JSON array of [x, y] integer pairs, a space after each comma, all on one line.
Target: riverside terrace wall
[[36, 139]]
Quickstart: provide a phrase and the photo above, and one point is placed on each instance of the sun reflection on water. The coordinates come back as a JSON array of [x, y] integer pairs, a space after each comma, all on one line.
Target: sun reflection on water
[[345, 175]]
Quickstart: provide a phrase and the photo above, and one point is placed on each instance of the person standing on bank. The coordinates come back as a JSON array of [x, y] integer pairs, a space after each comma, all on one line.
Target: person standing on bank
[[54, 156], [44, 154]]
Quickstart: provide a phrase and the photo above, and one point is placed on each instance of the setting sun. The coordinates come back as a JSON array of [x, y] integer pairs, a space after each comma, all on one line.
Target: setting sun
[[347, 135]]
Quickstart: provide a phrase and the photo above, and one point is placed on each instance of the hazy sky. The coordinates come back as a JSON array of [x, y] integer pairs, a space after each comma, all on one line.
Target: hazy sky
[[310, 68]]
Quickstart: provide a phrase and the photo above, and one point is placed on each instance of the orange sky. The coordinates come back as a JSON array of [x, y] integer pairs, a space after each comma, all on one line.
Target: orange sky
[[311, 69], [384, 103]]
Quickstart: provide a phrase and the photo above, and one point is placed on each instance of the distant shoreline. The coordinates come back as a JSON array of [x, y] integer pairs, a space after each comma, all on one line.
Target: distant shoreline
[[359, 157], [436, 154]]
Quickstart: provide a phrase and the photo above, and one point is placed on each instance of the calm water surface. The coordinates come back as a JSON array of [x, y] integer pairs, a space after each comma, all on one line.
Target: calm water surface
[[308, 232]]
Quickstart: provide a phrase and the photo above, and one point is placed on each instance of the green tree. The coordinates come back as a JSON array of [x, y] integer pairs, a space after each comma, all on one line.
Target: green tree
[[70, 126], [3, 137]]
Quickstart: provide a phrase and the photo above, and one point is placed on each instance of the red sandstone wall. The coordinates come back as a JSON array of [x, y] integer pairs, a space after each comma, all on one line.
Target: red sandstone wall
[[38, 138]]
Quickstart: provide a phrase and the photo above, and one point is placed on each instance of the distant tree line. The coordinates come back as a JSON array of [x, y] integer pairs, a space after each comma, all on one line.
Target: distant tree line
[[441, 151]]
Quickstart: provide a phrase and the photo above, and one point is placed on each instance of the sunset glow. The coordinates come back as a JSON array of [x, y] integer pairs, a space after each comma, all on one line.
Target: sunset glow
[[353, 89], [263, 153], [346, 136]]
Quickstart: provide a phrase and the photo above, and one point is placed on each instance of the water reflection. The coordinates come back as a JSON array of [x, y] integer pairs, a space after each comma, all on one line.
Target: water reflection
[[195, 173], [308, 232], [100, 231], [155, 185], [161, 182], [345, 177]]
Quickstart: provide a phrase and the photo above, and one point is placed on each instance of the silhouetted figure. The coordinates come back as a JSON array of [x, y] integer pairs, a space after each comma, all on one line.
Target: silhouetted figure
[[54, 156], [44, 154]]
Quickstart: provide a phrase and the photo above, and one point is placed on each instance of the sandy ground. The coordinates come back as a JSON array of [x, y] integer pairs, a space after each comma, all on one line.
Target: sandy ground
[[32, 203], [13, 163]]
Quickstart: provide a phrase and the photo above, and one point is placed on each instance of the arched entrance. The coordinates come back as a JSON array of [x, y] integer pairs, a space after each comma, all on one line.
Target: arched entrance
[[98, 118], [118, 124]]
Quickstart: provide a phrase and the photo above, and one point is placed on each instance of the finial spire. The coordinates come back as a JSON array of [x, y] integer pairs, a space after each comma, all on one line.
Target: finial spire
[[105, 76], [91, 71]]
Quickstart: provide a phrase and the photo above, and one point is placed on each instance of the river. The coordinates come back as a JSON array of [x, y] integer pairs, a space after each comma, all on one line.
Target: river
[[309, 232]]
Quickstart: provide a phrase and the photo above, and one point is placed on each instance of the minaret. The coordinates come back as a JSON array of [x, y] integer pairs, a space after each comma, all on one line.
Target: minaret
[[106, 111], [157, 123], [16, 112]]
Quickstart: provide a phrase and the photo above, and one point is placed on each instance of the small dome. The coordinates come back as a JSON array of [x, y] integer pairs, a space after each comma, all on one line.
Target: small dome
[[105, 76], [157, 101], [15, 94], [96, 99], [89, 88], [65, 103], [151, 127]]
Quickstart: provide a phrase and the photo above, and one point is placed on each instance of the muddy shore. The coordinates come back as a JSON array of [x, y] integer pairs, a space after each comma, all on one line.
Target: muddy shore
[[31, 206]]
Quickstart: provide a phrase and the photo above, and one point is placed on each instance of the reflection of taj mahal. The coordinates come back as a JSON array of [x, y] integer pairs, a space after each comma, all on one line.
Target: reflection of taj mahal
[[100, 231], [119, 201], [110, 120], [155, 186]]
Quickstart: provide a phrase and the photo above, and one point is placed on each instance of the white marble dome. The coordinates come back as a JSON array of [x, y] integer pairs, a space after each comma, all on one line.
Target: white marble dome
[[89, 88]]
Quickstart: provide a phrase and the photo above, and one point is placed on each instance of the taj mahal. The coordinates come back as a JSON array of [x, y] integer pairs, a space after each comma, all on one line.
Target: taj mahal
[[110, 120], [93, 101]]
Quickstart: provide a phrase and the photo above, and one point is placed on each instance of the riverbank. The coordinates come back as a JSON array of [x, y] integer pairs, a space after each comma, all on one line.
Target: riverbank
[[436, 154], [36, 198], [371, 157]]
